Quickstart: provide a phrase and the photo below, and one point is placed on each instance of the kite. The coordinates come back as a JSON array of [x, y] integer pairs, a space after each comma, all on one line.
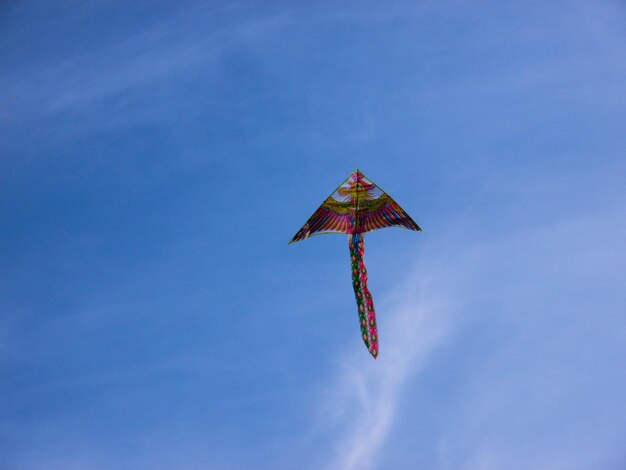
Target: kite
[[355, 207]]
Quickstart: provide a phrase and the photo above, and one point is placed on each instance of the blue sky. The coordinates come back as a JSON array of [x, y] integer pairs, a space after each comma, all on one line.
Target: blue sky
[[157, 157]]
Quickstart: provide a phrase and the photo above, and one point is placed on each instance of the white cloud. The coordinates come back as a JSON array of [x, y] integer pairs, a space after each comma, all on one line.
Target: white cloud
[[171, 46], [552, 293], [363, 396]]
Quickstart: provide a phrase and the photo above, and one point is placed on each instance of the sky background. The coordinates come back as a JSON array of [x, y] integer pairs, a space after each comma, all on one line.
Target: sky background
[[156, 158]]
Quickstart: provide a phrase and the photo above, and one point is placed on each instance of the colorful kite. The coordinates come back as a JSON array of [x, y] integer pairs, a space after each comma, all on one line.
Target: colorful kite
[[355, 207]]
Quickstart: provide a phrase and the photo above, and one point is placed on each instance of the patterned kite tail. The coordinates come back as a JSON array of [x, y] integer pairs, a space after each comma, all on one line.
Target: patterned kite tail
[[364, 300]]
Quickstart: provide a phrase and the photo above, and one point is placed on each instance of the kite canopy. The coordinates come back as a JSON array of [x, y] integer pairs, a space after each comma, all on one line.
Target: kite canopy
[[356, 206]]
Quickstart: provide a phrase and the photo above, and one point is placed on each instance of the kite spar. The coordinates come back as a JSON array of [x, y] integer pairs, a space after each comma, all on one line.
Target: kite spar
[[355, 207]]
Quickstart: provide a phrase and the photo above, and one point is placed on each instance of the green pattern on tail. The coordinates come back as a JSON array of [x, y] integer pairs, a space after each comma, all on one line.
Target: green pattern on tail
[[364, 302]]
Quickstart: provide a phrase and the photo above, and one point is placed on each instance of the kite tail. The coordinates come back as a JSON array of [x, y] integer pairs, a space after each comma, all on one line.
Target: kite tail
[[365, 304]]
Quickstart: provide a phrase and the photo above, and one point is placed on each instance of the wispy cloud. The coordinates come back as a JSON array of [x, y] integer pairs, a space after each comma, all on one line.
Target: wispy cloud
[[362, 400], [170, 46], [552, 375], [549, 341]]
